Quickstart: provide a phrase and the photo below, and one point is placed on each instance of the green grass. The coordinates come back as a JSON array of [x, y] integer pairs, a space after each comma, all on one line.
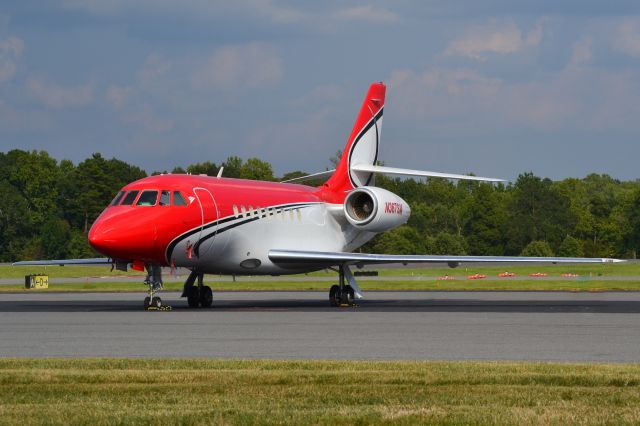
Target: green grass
[[68, 271], [591, 278], [311, 392], [594, 270]]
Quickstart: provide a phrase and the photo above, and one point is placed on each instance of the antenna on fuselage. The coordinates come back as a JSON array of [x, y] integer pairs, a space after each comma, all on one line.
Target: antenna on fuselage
[[219, 175]]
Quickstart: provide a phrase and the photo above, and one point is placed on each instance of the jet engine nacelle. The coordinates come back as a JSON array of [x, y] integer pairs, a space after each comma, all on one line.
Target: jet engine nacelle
[[375, 209]]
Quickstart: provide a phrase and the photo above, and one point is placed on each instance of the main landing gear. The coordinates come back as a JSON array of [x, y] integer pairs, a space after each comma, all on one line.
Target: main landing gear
[[154, 280], [343, 294], [197, 296]]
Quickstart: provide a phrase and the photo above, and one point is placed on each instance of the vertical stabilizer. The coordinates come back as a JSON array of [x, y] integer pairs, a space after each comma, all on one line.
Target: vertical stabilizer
[[362, 146]]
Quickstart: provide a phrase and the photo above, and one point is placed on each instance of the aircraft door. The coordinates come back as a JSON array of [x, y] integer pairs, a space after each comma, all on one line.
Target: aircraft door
[[208, 229]]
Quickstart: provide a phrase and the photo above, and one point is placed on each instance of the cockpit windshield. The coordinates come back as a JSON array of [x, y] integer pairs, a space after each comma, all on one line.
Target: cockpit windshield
[[118, 198], [147, 198], [130, 198]]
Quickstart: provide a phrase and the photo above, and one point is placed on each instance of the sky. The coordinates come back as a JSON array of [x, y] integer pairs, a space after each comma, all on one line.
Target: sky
[[496, 88]]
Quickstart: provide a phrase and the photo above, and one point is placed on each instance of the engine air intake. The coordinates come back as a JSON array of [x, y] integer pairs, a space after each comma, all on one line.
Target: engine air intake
[[360, 206]]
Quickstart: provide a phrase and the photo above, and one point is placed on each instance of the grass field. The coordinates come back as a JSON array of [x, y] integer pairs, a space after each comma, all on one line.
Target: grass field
[[593, 270], [310, 392], [591, 278]]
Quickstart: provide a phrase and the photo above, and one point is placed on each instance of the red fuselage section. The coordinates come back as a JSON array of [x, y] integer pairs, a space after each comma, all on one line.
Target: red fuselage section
[[142, 231]]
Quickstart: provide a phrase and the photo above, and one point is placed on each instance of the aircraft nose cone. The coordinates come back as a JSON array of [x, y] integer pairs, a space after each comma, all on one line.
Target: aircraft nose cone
[[99, 238], [123, 235]]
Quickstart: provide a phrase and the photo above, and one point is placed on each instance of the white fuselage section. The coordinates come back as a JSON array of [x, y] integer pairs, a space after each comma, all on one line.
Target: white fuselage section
[[240, 245]]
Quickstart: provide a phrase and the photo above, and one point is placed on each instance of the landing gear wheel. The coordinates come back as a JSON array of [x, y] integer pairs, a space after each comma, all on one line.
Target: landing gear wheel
[[156, 302], [193, 299], [347, 296], [147, 302], [334, 296], [206, 297]]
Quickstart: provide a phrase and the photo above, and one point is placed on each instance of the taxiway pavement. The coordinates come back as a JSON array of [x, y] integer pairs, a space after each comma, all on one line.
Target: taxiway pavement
[[559, 326]]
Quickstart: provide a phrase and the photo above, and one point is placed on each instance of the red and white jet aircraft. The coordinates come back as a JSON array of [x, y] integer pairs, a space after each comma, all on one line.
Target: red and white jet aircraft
[[216, 225]]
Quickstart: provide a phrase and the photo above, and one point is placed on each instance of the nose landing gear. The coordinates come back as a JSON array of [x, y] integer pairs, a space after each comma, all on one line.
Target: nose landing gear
[[154, 280]]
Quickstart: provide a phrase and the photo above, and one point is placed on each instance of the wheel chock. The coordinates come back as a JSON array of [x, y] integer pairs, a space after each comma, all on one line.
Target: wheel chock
[[162, 308]]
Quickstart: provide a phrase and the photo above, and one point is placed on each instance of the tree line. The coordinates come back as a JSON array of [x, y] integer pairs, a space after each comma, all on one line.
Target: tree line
[[48, 206]]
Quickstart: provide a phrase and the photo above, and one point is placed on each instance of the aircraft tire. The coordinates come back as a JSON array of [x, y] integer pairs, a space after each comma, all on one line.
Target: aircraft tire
[[348, 295], [206, 299], [334, 295], [156, 302], [147, 302], [193, 298]]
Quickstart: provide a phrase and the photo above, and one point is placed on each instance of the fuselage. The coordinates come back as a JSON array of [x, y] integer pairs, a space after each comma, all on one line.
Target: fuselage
[[221, 225]]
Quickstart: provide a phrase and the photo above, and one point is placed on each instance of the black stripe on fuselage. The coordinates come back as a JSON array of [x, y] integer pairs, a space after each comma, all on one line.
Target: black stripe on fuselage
[[181, 237]]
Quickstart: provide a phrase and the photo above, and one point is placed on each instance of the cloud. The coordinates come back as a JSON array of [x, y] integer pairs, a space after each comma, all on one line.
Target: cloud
[[626, 38], [466, 101], [148, 120], [502, 37], [10, 51], [154, 68], [367, 13], [243, 67], [581, 52], [117, 96], [195, 10], [55, 96]]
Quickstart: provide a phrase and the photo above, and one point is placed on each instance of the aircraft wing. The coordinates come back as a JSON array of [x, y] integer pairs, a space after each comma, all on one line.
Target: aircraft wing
[[296, 257], [62, 262]]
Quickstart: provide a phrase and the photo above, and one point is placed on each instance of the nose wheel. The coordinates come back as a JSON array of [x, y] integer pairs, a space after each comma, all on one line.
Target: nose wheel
[[154, 280]]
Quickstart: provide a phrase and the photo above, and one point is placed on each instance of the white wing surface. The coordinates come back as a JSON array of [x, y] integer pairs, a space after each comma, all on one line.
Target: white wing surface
[[419, 173], [62, 262], [395, 171], [341, 258]]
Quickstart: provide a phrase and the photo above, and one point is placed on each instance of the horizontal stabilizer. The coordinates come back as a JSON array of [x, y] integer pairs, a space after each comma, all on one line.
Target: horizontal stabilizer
[[321, 175], [394, 171], [92, 261], [343, 258], [419, 173]]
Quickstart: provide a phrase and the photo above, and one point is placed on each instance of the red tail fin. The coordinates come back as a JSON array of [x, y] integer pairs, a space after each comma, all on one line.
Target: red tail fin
[[362, 146]]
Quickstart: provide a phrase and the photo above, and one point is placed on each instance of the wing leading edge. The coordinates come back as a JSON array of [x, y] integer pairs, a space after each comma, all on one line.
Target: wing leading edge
[[341, 258], [62, 262]]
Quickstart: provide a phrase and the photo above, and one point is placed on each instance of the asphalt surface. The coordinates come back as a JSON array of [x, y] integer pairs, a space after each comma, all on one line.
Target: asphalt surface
[[559, 326]]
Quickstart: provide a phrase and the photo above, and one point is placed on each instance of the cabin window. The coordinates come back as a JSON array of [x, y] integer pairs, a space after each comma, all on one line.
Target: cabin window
[[148, 198], [236, 213], [130, 198], [165, 198], [178, 199], [118, 198]]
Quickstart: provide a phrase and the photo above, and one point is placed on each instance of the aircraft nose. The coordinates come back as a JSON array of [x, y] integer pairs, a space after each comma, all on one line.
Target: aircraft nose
[[123, 235], [100, 238]]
